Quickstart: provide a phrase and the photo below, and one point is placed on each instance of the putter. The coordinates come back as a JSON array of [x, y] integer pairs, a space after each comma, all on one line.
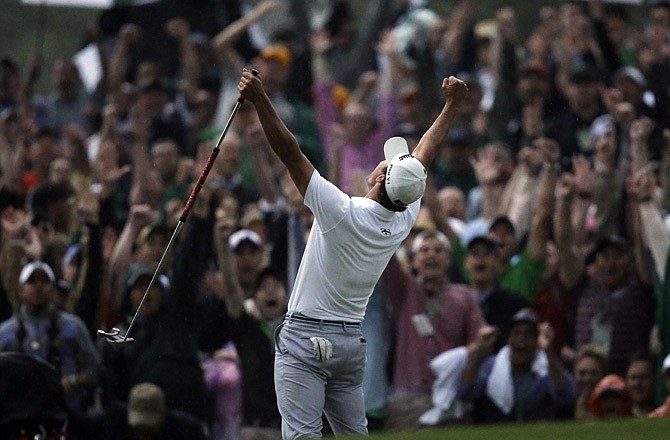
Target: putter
[[114, 336]]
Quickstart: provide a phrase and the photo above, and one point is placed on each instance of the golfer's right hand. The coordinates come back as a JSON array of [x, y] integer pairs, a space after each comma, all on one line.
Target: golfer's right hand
[[323, 348], [250, 86]]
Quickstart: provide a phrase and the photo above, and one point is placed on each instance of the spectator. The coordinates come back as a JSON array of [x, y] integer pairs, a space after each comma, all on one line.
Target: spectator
[[52, 203], [614, 309], [499, 306], [82, 269], [528, 206], [67, 103], [142, 240], [514, 265], [524, 381], [10, 86], [146, 416], [249, 256], [453, 166], [351, 136], [420, 305], [42, 150], [253, 334], [610, 398], [571, 128], [353, 45], [165, 350], [228, 169], [640, 382], [61, 339], [589, 367]]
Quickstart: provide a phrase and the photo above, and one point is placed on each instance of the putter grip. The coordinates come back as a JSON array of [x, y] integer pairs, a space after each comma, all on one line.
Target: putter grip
[[254, 72], [198, 185], [208, 167]]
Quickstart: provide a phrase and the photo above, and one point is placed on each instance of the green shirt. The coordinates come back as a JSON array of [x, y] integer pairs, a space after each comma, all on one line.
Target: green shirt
[[522, 275]]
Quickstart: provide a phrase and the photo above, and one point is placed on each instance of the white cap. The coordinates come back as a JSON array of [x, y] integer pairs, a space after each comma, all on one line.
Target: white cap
[[666, 363], [405, 176], [31, 267], [601, 126], [237, 237]]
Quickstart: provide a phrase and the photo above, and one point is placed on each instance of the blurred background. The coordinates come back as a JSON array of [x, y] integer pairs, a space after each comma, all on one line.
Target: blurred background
[[55, 31]]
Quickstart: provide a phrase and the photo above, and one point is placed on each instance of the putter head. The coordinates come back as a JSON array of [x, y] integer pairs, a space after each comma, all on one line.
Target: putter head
[[114, 336]]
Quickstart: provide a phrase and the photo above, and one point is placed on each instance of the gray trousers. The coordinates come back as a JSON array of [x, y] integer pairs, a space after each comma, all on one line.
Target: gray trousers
[[306, 388]]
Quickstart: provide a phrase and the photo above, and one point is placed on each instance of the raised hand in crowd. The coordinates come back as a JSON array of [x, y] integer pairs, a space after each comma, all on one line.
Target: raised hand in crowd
[[605, 153], [483, 345], [640, 130]]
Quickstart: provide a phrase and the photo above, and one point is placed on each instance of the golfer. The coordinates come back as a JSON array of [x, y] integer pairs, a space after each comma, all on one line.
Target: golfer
[[320, 350]]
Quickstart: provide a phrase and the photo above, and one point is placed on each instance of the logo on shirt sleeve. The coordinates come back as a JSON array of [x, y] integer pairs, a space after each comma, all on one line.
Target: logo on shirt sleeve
[[385, 231]]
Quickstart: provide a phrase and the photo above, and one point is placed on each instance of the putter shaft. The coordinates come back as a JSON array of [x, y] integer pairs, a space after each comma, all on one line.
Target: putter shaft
[[114, 336]]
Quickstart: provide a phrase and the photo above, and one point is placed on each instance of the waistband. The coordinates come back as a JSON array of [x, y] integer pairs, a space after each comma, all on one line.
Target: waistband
[[302, 318]]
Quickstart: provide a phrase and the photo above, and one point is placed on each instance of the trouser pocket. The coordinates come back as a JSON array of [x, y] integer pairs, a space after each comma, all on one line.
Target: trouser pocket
[[276, 335]]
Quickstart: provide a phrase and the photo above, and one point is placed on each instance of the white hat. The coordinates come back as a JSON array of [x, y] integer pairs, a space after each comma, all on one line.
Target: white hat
[[666, 363], [405, 176], [237, 237], [31, 267], [601, 126]]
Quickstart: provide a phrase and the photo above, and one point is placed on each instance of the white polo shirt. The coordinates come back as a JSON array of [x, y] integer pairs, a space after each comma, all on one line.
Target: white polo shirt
[[351, 241]]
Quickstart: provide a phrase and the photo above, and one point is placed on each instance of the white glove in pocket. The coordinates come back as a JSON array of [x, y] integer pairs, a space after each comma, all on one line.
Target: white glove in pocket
[[323, 348]]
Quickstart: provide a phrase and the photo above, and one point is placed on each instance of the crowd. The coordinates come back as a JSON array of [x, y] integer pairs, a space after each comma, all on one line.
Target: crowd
[[534, 285]]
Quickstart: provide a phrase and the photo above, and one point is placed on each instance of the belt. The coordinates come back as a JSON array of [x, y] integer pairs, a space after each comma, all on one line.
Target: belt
[[302, 318]]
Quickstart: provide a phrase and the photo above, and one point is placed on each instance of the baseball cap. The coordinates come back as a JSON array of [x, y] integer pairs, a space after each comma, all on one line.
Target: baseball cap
[[482, 240], [602, 126], [610, 385], [502, 220], [150, 230], [666, 363], [146, 405], [633, 73], [137, 271], [33, 266], [238, 237], [526, 315], [405, 175], [277, 52]]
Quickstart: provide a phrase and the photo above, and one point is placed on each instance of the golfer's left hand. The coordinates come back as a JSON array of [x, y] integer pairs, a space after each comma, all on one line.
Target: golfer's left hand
[[454, 89], [323, 348]]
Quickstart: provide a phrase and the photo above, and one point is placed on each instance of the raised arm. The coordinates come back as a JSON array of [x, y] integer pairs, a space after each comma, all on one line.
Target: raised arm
[[454, 91], [281, 140], [231, 290], [224, 41]]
